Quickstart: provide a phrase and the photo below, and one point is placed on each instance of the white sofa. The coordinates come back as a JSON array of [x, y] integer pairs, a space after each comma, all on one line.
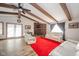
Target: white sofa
[[29, 39], [54, 35]]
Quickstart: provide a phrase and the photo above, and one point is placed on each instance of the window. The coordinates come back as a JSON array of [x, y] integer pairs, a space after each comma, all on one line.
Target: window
[[57, 29], [18, 30], [1, 28], [14, 30]]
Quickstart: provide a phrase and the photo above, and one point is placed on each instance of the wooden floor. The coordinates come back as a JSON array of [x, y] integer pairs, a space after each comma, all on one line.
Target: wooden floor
[[15, 47]]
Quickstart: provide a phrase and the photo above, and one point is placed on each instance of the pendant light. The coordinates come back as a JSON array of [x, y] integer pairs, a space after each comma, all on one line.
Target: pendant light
[[19, 16]]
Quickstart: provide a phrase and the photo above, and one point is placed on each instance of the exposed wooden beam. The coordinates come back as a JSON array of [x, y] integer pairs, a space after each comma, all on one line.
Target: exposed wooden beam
[[12, 13], [65, 9], [28, 18], [43, 11], [13, 6], [7, 5], [37, 17]]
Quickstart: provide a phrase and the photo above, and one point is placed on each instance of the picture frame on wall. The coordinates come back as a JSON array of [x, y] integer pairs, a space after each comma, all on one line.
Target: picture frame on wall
[[27, 26], [74, 25]]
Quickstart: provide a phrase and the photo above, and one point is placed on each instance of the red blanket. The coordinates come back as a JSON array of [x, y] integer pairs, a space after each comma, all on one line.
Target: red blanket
[[44, 46]]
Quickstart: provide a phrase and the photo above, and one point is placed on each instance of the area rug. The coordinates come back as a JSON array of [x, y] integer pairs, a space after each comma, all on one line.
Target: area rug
[[44, 46]]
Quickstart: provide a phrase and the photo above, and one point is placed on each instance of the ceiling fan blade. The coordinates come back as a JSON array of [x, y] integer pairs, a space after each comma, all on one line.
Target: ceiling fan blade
[[26, 10], [23, 11]]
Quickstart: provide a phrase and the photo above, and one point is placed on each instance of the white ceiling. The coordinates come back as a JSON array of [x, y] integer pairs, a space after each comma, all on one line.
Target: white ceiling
[[37, 12], [73, 9], [54, 9]]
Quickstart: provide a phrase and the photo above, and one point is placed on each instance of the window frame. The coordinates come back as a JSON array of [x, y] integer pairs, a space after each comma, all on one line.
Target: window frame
[[2, 28], [15, 26]]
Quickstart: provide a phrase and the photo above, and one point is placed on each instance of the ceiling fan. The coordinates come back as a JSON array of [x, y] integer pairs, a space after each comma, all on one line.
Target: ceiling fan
[[21, 10]]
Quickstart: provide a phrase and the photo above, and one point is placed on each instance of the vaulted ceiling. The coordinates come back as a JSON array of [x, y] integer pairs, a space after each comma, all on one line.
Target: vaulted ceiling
[[44, 12]]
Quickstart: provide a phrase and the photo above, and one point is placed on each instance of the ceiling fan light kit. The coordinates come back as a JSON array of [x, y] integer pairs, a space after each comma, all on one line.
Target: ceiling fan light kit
[[19, 21], [21, 10]]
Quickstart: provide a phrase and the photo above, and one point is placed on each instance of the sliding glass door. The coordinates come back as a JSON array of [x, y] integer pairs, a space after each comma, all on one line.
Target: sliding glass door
[[14, 30], [18, 31], [10, 30], [1, 28]]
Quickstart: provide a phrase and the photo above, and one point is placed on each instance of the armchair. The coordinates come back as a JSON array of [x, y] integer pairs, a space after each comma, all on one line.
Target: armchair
[[29, 39]]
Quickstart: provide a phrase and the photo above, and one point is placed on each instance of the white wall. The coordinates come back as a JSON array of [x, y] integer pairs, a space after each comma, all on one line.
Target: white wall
[[48, 28], [71, 34], [13, 19]]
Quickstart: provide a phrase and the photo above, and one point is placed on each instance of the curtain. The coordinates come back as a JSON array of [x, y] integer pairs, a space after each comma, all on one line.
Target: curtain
[[62, 27], [52, 26]]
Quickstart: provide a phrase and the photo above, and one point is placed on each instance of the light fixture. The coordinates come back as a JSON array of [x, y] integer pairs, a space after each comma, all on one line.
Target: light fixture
[[19, 16], [19, 21]]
